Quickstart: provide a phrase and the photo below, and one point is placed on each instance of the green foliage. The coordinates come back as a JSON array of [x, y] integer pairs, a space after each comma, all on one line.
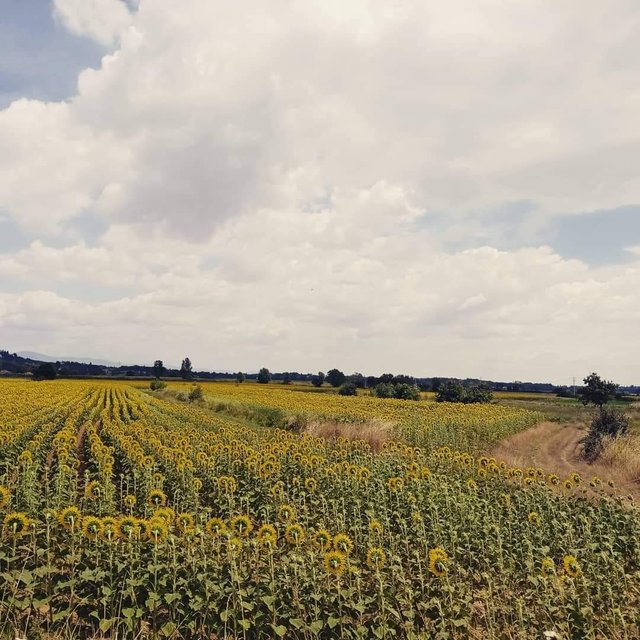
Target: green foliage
[[240, 377], [196, 393], [348, 389], [453, 391], [158, 368], [186, 369], [157, 385], [286, 378], [45, 371], [318, 381], [399, 390], [335, 377], [264, 376], [597, 391], [607, 423]]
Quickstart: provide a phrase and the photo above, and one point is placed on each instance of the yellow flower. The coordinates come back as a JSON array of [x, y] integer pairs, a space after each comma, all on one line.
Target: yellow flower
[[534, 518], [129, 527], [5, 497], [91, 527], [548, 566], [342, 542], [156, 498], [157, 530], [234, 546], [185, 522], [286, 513], [130, 501], [335, 562], [321, 539], [267, 531], [294, 534], [571, 566], [438, 560], [375, 528], [216, 527], [70, 518], [395, 484], [93, 490], [16, 524], [110, 529], [241, 525], [376, 558], [310, 484]]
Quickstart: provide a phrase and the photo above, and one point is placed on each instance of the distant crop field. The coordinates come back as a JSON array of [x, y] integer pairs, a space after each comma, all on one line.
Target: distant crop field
[[128, 515]]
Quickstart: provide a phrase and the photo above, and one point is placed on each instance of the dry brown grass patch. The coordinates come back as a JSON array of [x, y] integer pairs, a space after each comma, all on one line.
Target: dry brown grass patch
[[374, 432], [623, 455]]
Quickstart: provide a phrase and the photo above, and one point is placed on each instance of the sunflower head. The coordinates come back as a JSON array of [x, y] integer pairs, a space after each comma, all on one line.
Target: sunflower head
[[438, 561], [334, 562], [185, 523], [16, 524], [548, 566], [129, 527], [70, 518], [571, 566], [241, 525], [321, 539], [294, 534], [343, 543], [110, 529], [376, 558], [286, 513], [91, 527], [534, 518], [157, 530], [375, 528], [156, 498], [93, 490], [216, 527], [267, 531], [130, 501]]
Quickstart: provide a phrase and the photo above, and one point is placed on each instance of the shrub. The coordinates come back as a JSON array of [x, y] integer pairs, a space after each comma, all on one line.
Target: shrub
[[607, 423], [157, 385], [384, 390], [348, 389], [195, 393], [405, 391]]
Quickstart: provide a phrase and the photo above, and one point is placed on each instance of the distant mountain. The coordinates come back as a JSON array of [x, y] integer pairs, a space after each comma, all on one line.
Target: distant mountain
[[41, 357]]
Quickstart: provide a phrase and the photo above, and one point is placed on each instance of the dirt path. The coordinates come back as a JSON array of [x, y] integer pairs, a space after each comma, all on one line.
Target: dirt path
[[554, 447]]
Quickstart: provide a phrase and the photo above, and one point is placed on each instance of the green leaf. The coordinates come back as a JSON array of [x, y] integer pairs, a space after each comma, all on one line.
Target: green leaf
[[105, 625], [280, 630]]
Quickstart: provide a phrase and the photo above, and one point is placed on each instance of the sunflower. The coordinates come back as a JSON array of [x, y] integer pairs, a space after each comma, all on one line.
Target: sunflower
[[534, 518], [571, 566], [157, 498], [129, 527], [438, 559], [165, 513], [471, 484], [342, 542], [93, 490], [185, 522], [130, 501], [286, 513], [197, 484], [548, 567], [277, 490], [294, 534], [375, 528], [376, 558], [234, 546], [267, 531], [91, 527], [335, 562], [241, 525], [5, 497], [395, 484], [16, 524], [216, 527], [321, 539], [158, 530], [110, 529], [70, 518], [143, 526], [310, 485]]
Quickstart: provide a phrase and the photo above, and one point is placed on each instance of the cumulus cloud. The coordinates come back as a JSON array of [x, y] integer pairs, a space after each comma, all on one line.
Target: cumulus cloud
[[100, 20], [288, 183]]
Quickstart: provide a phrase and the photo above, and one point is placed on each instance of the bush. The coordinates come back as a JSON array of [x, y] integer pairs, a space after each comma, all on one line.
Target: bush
[[157, 385], [607, 423], [348, 389], [405, 391], [196, 393], [452, 391], [384, 390]]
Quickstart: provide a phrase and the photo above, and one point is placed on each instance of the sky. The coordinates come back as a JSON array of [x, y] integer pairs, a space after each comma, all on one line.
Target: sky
[[439, 189]]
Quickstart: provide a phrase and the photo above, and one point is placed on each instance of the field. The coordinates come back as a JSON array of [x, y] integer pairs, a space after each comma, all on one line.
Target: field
[[132, 515]]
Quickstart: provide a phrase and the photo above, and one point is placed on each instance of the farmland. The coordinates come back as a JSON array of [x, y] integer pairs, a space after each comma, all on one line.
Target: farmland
[[133, 515]]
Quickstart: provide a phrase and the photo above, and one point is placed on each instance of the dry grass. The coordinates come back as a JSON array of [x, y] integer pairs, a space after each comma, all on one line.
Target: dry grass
[[374, 432], [623, 455]]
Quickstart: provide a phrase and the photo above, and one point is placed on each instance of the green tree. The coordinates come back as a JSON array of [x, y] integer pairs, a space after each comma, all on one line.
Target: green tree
[[186, 369], [318, 381], [450, 391], [335, 377], [158, 368], [598, 391], [286, 378], [240, 377], [405, 391], [348, 389], [384, 390], [45, 371], [264, 376]]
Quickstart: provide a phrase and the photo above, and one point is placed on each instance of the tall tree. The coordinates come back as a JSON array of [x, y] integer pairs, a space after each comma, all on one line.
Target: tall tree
[[598, 391], [186, 369], [335, 377], [158, 368], [318, 381], [264, 376]]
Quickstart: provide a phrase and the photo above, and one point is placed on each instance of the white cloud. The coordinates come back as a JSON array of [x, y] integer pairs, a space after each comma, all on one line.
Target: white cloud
[[268, 172], [100, 20]]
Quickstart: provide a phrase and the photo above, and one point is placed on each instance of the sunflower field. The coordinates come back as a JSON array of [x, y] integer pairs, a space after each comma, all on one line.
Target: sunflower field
[[128, 516]]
